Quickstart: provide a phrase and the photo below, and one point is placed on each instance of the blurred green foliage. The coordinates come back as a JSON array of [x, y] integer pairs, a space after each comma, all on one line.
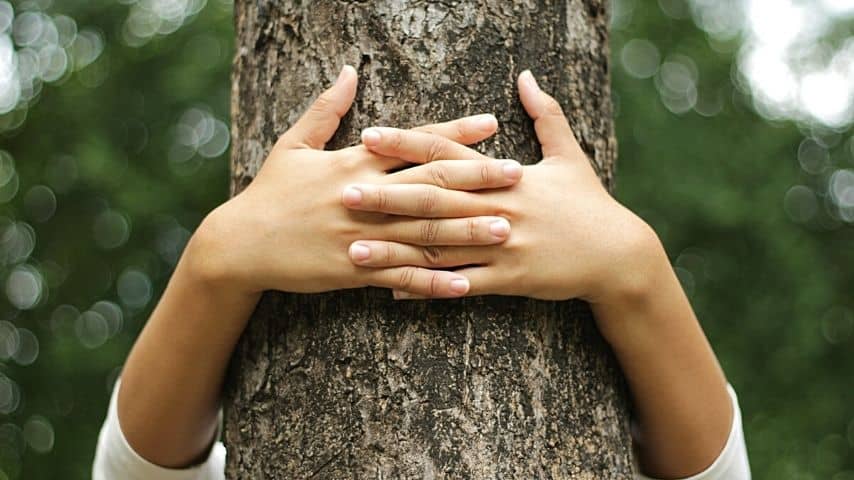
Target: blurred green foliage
[[113, 158]]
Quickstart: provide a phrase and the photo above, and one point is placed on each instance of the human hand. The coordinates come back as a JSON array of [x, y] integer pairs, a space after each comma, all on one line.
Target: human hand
[[570, 238], [287, 230]]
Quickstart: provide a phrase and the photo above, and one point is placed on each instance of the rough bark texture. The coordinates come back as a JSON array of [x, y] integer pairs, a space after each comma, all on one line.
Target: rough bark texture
[[354, 385]]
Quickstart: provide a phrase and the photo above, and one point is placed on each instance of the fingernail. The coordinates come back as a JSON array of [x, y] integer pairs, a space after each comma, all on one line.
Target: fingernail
[[352, 196], [371, 137], [500, 227], [401, 295], [512, 170], [528, 78], [343, 73], [459, 286], [485, 122], [360, 252]]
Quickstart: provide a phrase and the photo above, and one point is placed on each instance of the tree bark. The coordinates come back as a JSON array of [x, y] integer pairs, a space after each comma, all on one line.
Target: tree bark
[[355, 385]]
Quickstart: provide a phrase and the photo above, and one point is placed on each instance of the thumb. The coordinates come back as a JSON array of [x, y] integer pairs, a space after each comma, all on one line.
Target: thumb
[[319, 122], [553, 130]]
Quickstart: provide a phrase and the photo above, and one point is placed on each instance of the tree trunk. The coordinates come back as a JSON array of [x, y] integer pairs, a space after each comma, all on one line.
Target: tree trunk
[[352, 385]]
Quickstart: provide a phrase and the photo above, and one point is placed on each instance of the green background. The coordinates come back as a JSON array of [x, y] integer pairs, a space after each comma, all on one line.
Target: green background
[[114, 159]]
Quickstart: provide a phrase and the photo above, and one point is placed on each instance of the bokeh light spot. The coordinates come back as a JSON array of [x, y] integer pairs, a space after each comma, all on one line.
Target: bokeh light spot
[[111, 229], [38, 432], [40, 203], [813, 157], [842, 188], [640, 58], [7, 167], [826, 95], [18, 240], [7, 14], [677, 83], [111, 313], [28, 351], [171, 241], [8, 175], [48, 50], [10, 340], [62, 319], [91, 329], [10, 395], [86, 48], [800, 204], [134, 288], [24, 287], [149, 18]]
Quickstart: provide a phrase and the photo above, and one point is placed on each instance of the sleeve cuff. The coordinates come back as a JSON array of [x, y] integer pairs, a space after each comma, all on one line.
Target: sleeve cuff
[[732, 463], [116, 459]]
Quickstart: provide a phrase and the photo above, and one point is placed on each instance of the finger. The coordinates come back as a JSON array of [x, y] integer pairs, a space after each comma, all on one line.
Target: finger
[[401, 295], [359, 154], [377, 254], [420, 281], [448, 231], [483, 280], [462, 174], [553, 130], [424, 201], [466, 130], [321, 120], [415, 147]]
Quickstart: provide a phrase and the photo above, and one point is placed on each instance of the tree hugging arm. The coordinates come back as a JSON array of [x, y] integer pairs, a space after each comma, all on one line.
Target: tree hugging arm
[[571, 239], [288, 231]]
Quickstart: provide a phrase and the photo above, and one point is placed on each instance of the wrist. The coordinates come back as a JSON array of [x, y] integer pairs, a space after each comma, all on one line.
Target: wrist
[[643, 278], [211, 259]]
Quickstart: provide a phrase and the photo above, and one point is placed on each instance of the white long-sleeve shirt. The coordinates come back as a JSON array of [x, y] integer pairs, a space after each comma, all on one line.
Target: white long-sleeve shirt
[[115, 459]]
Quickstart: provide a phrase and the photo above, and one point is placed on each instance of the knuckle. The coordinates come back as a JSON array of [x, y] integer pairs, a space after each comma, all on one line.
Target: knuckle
[[516, 247], [435, 282], [436, 149], [323, 102], [428, 203], [507, 209], [484, 173], [382, 199], [347, 161], [471, 229], [429, 231], [360, 154], [439, 175], [406, 277], [460, 131], [553, 107], [396, 140], [390, 254], [286, 141], [432, 256]]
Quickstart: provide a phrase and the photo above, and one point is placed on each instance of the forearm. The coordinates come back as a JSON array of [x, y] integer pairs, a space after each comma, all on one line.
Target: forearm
[[683, 410], [170, 388]]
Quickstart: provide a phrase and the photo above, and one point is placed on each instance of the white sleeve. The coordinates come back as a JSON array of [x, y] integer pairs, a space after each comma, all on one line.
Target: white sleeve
[[116, 460], [732, 463]]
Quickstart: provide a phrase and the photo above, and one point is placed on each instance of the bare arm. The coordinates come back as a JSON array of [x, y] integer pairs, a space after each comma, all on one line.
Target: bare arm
[[682, 409], [288, 231], [169, 398], [571, 239]]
